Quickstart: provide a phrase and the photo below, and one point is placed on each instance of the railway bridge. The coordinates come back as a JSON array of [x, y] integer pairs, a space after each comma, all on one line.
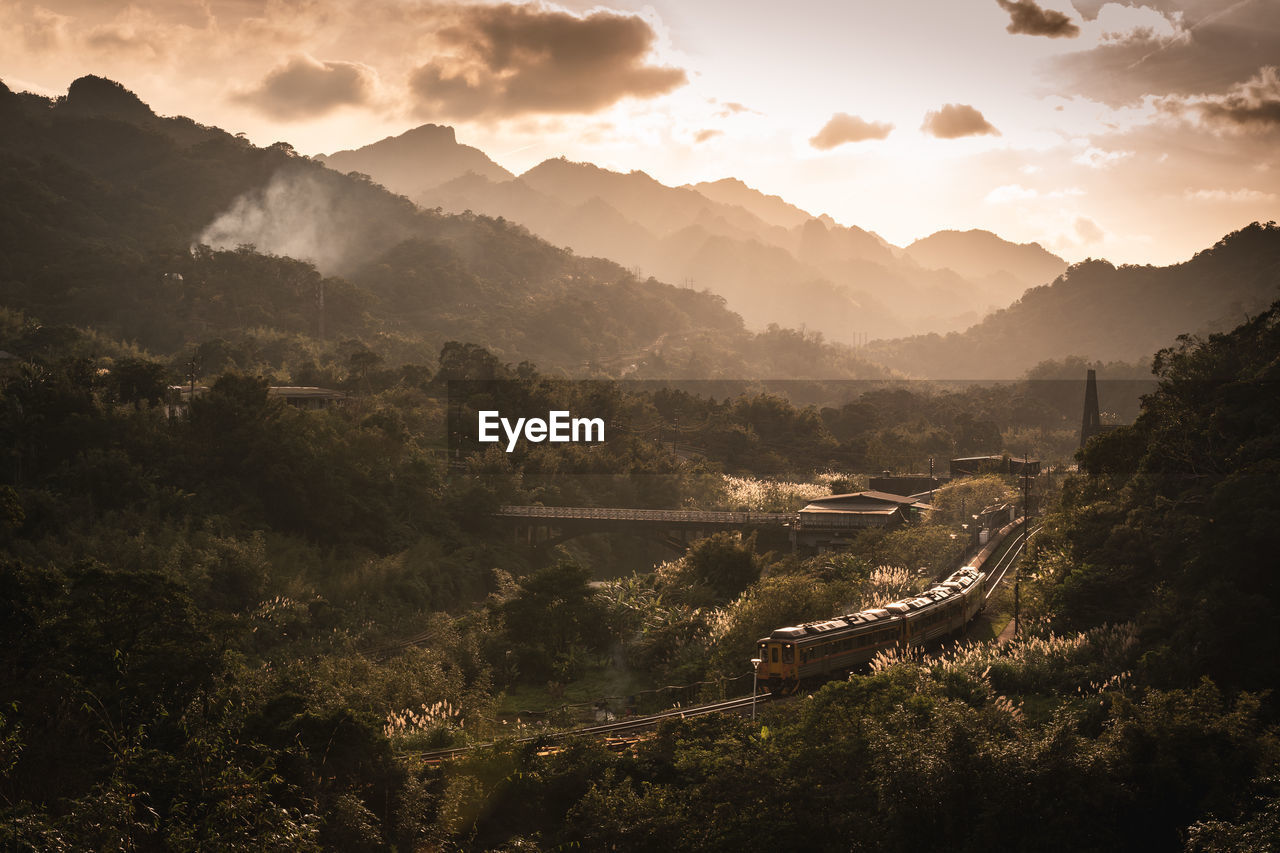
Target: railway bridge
[[548, 526]]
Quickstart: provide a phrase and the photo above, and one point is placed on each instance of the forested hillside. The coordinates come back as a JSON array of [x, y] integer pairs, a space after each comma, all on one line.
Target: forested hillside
[[106, 207], [1102, 312]]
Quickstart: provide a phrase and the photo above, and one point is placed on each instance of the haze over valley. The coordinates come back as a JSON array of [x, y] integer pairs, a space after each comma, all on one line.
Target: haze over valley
[[773, 262]]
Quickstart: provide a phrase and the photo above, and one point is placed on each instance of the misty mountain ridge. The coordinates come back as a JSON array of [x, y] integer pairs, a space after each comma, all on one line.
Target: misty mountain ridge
[[769, 208], [420, 158], [774, 262], [844, 281], [106, 205], [1102, 312], [104, 201], [979, 255]]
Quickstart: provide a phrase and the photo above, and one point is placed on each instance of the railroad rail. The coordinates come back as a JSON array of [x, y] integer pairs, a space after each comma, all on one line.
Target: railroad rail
[[1006, 560], [617, 732], [623, 732]]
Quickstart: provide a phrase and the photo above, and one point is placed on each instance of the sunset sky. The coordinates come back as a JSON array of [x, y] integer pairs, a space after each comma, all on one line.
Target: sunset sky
[[1139, 133]]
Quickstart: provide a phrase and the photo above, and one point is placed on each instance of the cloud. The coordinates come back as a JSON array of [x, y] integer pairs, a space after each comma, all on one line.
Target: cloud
[[704, 135], [45, 30], [1010, 192], [136, 31], [304, 88], [842, 128], [1029, 19], [1017, 192], [1144, 26], [1242, 195], [1251, 105], [955, 120], [509, 60], [1088, 231], [733, 108], [1096, 158], [1162, 48]]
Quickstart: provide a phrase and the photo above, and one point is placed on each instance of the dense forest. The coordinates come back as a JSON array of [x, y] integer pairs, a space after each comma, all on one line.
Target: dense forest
[[190, 604], [232, 624]]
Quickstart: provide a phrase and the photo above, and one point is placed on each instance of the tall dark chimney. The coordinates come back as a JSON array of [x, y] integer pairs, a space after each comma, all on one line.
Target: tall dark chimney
[[1092, 423]]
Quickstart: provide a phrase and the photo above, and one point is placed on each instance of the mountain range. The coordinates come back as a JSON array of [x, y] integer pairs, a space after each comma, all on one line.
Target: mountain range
[[172, 235], [1106, 313], [772, 261], [167, 232]]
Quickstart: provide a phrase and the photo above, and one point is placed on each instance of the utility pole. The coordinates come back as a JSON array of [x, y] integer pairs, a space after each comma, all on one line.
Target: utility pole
[[320, 309], [1017, 590], [193, 370], [1026, 489]]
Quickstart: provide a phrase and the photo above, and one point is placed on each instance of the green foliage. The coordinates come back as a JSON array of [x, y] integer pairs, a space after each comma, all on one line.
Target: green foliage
[[895, 760], [553, 623], [926, 549], [964, 498], [772, 603], [1172, 523], [715, 569], [1256, 829], [218, 622]]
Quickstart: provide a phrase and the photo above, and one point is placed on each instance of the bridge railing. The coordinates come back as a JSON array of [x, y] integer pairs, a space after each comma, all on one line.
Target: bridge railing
[[687, 516]]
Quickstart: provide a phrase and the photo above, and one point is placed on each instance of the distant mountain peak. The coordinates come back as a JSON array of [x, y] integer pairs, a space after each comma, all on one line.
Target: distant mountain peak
[[435, 132], [980, 253], [769, 208], [424, 137], [419, 159]]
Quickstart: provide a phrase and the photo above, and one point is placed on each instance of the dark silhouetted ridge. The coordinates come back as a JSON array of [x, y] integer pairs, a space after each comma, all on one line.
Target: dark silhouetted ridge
[[97, 96]]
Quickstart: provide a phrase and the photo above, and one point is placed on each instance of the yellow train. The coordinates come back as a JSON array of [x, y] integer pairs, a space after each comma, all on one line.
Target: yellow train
[[816, 651]]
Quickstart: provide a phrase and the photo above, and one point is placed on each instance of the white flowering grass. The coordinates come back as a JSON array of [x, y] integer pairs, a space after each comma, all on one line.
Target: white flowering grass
[[749, 494], [1086, 663], [424, 719]]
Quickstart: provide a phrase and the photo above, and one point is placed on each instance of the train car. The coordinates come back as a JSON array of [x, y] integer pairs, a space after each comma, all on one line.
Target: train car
[[816, 651]]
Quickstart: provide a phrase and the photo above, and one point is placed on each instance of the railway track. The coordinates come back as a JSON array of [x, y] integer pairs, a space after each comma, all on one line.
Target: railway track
[[626, 731], [1006, 560], [616, 732]]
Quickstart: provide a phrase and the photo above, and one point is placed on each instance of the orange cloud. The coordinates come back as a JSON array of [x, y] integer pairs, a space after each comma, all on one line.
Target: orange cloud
[[305, 88], [510, 60], [843, 128], [1029, 19], [955, 120]]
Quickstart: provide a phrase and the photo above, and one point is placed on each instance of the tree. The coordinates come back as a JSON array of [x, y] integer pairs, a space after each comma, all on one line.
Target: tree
[[553, 620], [139, 380], [724, 563]]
